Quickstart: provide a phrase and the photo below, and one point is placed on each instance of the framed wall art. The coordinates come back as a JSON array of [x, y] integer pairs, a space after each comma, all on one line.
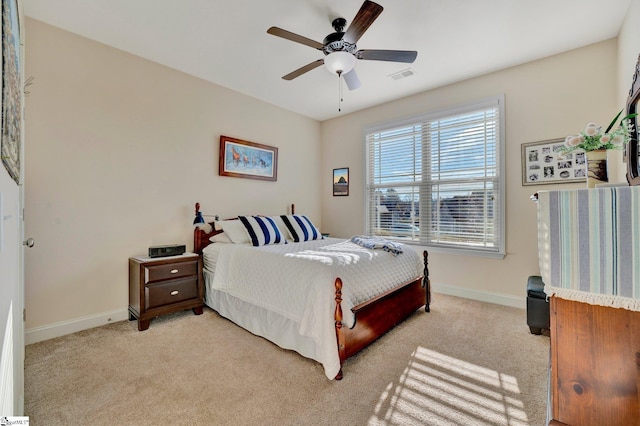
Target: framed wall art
[[543, 162], [10, 139], [249, 160], [341, 181]]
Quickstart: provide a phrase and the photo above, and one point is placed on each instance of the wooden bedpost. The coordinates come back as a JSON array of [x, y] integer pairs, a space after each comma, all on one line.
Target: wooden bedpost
[[338, 319], [426, 282]]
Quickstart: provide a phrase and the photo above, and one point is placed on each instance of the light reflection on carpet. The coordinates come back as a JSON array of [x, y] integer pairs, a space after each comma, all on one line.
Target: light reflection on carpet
[[436, 389]]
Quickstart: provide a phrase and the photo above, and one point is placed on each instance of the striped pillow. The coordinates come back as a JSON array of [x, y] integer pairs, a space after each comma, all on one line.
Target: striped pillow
[[262, 230], [301, 228]]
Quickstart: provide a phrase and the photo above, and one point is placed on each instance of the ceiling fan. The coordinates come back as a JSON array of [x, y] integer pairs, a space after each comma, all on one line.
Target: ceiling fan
[[340, 47]]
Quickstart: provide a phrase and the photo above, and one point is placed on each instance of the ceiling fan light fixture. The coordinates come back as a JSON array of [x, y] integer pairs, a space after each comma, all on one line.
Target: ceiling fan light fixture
[[341, 62]]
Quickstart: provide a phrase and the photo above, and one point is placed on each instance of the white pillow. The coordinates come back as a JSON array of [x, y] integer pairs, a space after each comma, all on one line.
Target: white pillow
[[235, 230], [301, 228], [262, 230], [220, 238]]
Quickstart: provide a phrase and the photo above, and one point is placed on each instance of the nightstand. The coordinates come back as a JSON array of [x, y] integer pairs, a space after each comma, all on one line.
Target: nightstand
[[163, 285]]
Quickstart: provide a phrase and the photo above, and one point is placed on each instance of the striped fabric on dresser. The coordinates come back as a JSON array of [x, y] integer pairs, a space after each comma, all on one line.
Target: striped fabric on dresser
[[589, 245]]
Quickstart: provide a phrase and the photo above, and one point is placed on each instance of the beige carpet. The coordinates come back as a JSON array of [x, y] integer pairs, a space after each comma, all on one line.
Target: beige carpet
[[465, 363]]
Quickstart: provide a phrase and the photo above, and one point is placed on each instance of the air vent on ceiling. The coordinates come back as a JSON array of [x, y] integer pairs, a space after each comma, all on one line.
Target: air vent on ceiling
[[402, 74]]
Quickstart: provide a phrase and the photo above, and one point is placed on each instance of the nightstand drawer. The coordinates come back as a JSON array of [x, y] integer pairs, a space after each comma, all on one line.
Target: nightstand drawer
[[169, 292], [167, 271]]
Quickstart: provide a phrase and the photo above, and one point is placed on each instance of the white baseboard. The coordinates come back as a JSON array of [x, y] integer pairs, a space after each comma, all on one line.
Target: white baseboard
[[38, 334], [46, 332], [483, 296]]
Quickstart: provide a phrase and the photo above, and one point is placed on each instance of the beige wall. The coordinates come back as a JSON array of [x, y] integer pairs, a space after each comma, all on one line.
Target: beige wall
[[118, 151], [545, 99]]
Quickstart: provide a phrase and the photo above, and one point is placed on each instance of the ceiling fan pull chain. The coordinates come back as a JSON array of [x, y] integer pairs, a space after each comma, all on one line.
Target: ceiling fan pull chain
[[339, 91]]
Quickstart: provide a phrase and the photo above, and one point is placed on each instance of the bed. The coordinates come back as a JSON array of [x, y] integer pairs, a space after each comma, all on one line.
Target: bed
[[277, 290]]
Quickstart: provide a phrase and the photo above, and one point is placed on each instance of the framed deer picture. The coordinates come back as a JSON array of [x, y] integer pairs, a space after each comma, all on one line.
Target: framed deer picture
[[249, 160]]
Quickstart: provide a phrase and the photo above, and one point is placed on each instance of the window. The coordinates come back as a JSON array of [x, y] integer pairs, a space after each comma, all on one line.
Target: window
[[437, 180]]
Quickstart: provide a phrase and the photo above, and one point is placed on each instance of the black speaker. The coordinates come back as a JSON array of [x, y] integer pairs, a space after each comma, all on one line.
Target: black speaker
[[169, 250]]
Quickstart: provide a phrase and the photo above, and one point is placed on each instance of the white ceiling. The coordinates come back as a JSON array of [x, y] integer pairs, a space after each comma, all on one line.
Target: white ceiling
[[225, 41]]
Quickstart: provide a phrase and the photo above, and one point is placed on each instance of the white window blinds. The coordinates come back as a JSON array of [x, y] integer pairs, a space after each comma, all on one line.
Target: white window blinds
[[436, 180]]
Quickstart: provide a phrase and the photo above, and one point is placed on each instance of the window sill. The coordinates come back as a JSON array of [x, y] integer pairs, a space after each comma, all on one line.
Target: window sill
[[460, 252]]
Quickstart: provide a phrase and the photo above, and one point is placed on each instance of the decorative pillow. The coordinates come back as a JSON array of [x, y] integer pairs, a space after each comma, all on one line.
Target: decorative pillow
[[235, 230], [220, 238], [301, 228], [262, 230], [283, 228]]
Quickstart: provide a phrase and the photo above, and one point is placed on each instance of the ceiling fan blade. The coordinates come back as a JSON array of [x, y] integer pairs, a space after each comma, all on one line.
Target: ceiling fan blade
[[352, 80], [304, 69], [279, 32], [387, 55], [368, 13]]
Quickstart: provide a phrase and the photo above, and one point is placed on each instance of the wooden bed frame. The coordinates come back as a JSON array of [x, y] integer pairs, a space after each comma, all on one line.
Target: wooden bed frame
[[373, 318]]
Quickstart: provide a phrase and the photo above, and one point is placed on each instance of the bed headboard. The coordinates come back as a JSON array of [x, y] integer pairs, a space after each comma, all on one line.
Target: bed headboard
[[201, 236]]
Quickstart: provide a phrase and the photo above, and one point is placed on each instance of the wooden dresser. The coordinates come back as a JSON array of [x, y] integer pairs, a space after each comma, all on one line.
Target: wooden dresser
[[595, 364]]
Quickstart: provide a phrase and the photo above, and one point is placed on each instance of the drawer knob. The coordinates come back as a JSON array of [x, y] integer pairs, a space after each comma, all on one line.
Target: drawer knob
[[174, 292], [174, 271]]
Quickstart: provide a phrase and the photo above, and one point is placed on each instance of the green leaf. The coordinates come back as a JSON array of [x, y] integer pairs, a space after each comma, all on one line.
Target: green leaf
[[635, 114], [613, 122]]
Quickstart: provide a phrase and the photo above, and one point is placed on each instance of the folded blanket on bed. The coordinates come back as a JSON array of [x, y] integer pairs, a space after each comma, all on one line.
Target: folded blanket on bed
[[378, 243]]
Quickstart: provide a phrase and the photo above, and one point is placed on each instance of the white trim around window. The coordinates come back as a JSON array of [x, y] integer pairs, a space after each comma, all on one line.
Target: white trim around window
[[449, 163]]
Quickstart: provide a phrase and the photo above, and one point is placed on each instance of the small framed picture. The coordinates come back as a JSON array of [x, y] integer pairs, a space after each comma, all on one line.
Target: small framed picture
[[249, 160], [341, 182], [12, 86], [544, 162]]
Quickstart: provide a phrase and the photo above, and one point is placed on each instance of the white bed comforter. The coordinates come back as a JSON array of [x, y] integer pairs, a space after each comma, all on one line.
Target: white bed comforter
[[296, 280]]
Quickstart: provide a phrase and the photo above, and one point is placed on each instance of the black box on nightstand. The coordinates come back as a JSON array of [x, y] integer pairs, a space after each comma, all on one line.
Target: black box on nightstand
[[168, 250]]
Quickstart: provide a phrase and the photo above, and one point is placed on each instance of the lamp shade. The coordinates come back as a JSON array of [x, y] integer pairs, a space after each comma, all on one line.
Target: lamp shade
[[339, 62], [199, 220]]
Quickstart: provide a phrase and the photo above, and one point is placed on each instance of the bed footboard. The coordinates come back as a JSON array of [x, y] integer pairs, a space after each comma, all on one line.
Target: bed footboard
[[379, 315]]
